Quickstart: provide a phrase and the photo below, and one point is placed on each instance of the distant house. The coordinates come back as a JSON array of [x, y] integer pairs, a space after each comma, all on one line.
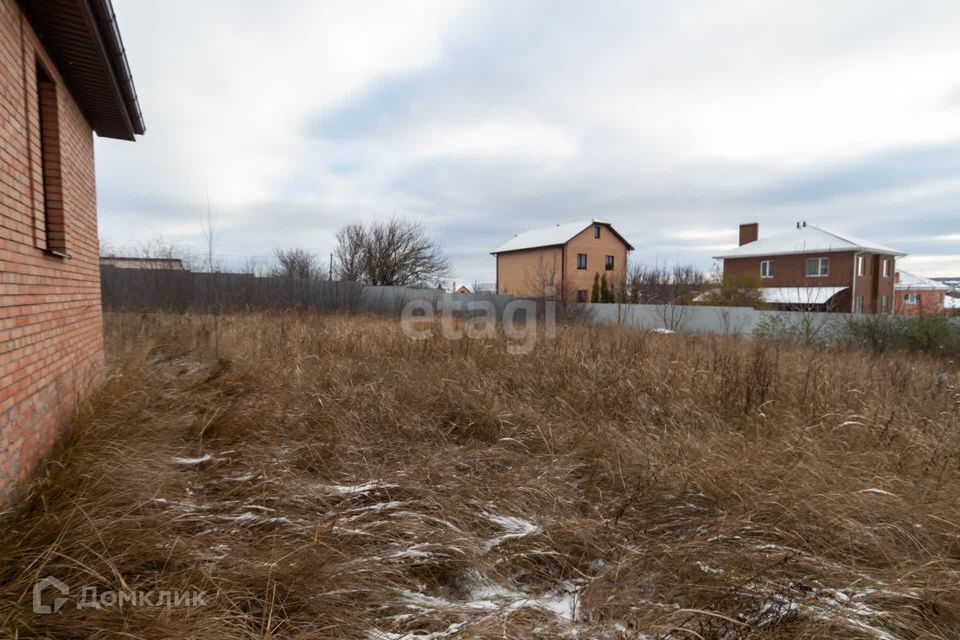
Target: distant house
[[461, 289], [63, 77], [167, 264], [485, 287], [916, 295], [953, 282], [561, 261], [811, 268], [951, 304]]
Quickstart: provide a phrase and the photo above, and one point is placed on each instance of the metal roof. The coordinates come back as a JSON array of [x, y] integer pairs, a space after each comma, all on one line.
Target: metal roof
[[83, 39], [806, 239], [799, 295], [552, 236], [911, 282]]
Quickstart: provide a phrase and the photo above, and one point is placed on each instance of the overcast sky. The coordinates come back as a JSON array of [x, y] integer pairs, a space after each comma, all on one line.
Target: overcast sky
[[673, 120]]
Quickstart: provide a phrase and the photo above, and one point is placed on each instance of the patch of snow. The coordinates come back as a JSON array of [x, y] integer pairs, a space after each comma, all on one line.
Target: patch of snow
[[377, 634], [708, 569], [663, 330], [879, 492], [380, 506], [514, 527], [357, 488], [193, 461]]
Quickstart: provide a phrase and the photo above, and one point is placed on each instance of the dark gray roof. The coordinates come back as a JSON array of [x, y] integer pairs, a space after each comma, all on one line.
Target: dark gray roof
[[83, 39]]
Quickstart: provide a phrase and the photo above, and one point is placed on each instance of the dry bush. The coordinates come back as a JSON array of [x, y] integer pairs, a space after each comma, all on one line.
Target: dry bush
[[325, 477]]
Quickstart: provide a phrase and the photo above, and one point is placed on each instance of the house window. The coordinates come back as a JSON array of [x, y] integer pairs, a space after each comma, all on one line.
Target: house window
[[886, 267], [766, 268], [52, 192], [911, 298], [860, 265], [596, 231], [818, 267], [581, 261], [883, 304], [581, 295], [858, 305], [608, 263]]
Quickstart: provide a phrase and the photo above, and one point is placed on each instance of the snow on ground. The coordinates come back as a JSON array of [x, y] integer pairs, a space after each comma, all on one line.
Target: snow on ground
[[514, 528], [193, 461], [483, 597], [357, 488]]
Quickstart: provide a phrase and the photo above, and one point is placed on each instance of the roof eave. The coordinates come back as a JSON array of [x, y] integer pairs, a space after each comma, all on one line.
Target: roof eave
[[539, 246], [594, 221], [84, 42], [896, 254]]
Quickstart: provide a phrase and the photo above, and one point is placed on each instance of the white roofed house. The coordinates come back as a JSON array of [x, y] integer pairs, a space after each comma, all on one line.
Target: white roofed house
[[916, 295], [808, 267], [562, 261], [951, 304]]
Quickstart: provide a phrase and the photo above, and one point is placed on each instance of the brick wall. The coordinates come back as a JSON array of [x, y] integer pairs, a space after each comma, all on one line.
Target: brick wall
[[529, 272], [926, 302], [790, 271], [596, 249], [51, 341]]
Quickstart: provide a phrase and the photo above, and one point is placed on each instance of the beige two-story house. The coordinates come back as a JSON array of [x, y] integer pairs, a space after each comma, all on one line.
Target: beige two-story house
[[562, 261]]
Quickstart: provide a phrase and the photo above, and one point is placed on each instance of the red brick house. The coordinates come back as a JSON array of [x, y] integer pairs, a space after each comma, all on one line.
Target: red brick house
[[916, 295], [811, 268], [63, 76]]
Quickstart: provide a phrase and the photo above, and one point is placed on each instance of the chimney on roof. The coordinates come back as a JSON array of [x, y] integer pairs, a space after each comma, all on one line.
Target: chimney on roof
[[749, 232], [804, 223]]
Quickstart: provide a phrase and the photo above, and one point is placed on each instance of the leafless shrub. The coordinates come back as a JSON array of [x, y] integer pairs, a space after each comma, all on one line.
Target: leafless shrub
[[295, 263]]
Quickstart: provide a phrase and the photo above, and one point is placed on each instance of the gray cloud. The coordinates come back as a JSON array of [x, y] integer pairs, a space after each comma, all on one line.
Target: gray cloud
[[676, 121]]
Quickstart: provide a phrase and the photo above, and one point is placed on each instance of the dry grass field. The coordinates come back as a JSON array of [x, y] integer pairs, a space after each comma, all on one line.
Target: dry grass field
[[326, 477]]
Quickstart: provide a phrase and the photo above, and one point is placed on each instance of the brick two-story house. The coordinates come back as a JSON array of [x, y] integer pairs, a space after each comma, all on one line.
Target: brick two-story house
[[63, 76], [810, 268], [562, 261]]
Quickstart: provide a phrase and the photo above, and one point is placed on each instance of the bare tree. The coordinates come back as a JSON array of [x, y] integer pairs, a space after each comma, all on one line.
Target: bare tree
[[545, 280], [350, 254], [669, 289], [295, 263], [397, 252], [160, 247], [252, 266]]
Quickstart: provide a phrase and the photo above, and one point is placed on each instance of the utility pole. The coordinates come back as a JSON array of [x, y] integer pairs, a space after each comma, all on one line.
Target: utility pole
[[331, 268]]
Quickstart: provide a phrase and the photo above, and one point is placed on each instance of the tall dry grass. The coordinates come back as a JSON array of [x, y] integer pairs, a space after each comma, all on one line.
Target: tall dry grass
[[329, 478]]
